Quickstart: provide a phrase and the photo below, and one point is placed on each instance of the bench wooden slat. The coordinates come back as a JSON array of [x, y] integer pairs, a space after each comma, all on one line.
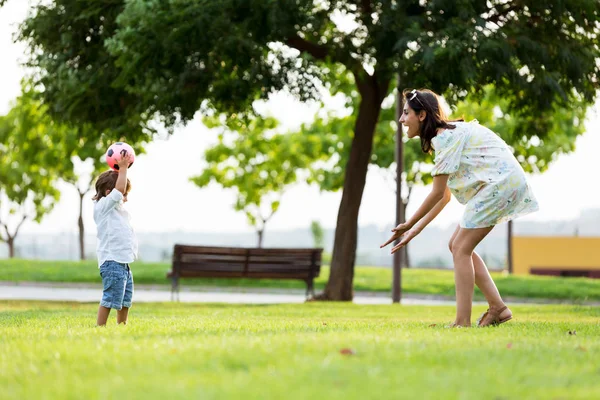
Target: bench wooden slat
[[236, 262]]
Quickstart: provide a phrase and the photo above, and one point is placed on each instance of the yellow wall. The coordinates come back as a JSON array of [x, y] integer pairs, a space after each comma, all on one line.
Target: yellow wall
[[555, 253]]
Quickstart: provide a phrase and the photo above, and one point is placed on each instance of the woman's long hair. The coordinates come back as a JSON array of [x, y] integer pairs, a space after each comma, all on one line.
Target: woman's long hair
[[428, 101]]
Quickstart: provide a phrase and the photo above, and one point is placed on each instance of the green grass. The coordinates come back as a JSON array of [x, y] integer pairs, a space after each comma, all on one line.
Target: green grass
[[175, 350], [417, 281]]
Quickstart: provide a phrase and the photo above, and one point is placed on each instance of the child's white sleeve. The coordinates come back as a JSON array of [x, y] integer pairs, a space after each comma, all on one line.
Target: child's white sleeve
[[109, 202]]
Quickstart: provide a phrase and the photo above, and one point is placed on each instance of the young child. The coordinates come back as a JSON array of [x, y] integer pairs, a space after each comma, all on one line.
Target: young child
[[478, 168], [117, 244]]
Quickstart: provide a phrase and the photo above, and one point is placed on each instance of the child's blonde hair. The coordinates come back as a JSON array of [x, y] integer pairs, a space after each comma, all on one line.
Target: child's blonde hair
[[107, 181]]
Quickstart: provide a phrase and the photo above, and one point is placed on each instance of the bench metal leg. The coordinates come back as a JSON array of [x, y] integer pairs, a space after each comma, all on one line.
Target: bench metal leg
[[310, 289], [175, 289]]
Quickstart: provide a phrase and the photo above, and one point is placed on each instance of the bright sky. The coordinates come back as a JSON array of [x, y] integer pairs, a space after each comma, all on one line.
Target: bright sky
[[163, 199]]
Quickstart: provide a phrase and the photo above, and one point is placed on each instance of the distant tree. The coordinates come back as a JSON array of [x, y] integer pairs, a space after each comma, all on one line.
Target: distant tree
[[255, 162], [318, 234], [27, 171]]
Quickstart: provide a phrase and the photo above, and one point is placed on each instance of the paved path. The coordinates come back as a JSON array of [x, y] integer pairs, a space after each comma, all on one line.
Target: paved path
[[90, 293]]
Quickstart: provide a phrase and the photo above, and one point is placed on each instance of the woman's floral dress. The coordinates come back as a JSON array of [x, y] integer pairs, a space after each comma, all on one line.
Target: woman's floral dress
[[483, 174]]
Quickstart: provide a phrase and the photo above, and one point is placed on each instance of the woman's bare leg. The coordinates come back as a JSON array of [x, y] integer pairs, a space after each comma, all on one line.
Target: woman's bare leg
[[485, 283], [463, 245]]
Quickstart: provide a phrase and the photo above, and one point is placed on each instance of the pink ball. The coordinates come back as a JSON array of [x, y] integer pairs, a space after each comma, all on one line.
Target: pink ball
[[116, 151]]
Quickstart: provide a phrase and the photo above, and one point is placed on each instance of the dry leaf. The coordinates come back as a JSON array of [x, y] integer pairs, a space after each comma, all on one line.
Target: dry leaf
[[347, 352], [432, 325]]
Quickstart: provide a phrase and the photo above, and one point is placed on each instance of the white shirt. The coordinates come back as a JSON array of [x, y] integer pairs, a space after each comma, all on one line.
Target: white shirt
[[116, 239]]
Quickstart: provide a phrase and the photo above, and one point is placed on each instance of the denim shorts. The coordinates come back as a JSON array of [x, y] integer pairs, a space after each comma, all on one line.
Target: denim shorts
[[117, 284]]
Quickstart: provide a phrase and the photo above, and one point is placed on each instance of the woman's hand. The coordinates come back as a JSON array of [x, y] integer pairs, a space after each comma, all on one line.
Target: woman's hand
[[406, 237], [398, 231]]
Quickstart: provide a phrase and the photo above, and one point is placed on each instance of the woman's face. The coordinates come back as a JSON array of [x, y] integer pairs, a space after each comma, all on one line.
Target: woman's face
[[412, 120]]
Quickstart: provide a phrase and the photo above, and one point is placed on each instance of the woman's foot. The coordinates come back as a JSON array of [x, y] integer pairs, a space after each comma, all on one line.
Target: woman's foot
[[495, 316]]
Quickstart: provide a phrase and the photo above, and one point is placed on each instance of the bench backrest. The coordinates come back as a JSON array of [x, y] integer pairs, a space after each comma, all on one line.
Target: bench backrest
[[246, 262]]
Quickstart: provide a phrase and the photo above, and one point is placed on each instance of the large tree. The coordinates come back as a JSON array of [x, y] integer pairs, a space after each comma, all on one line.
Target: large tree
[[117, 62]]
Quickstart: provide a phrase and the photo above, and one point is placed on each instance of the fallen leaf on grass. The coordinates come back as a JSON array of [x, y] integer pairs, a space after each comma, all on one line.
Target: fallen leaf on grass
[[347, 352], [432, 325]]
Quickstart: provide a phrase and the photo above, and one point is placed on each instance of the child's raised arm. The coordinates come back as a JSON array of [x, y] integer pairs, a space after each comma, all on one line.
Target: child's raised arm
[[121, 184]]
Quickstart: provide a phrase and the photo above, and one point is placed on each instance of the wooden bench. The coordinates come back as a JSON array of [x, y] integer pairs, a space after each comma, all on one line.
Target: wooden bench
[[566, 272], [236, 262]]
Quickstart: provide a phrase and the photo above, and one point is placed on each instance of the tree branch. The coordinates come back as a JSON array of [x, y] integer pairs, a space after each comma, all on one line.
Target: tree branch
[[7, 233], [19, 226], [318, 51], [366, 6]]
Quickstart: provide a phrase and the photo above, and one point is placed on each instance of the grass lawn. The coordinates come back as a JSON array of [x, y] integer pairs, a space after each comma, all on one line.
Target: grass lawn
[[418, 281], [169, 351]]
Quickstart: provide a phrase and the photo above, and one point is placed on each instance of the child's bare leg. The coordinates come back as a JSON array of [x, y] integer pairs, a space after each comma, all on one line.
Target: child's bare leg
[[462, 246], [122, 315], [102, 315]]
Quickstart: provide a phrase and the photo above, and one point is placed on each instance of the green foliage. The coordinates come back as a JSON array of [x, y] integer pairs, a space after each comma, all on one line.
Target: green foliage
[[337, 131], [537, 139], [27, 171], [67, 53], [119, 63]]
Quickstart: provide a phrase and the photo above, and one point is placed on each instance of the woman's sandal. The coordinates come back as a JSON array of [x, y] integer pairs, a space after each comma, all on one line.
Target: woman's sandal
[[492, 317]]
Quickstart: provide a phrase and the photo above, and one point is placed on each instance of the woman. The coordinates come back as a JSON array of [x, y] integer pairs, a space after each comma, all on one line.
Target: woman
[[479, 169]]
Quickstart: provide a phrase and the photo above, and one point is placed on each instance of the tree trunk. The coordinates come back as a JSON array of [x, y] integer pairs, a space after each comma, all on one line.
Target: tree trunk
[[509, 255], [260, 237], [339, 285], [81, 228], [11, 247]]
